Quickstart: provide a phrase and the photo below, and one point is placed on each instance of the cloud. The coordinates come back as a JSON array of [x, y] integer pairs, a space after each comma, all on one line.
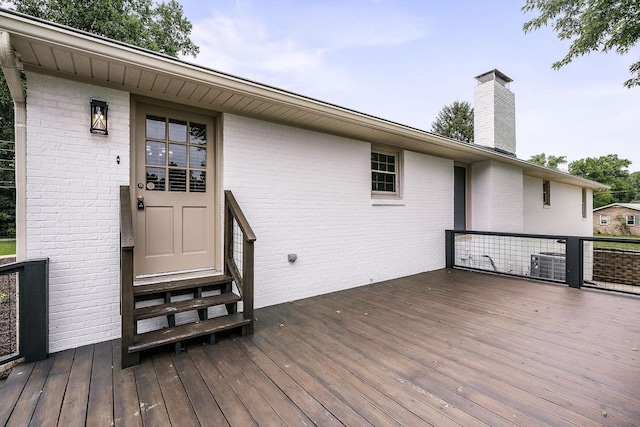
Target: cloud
[[295, 48]]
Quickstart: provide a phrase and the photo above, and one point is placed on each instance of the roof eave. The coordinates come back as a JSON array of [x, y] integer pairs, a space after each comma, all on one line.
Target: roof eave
[[326, 117]]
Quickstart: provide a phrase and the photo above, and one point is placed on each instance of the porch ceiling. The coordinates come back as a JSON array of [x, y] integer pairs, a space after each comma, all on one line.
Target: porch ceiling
[[44, 47]]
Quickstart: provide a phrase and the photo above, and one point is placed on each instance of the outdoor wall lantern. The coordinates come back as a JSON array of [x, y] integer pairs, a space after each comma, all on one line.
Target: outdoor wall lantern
[[99, 109]]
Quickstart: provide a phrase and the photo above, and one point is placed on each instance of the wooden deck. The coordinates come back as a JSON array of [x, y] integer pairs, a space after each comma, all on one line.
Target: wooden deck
[[440, 348]]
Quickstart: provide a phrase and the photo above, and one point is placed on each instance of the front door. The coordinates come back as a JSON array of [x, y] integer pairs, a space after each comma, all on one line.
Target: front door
[[174, 191]]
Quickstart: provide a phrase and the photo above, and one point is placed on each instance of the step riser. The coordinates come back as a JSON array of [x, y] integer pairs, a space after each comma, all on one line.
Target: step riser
[[198, 304]]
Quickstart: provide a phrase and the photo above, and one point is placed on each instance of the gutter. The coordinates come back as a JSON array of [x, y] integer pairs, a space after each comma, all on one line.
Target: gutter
[[352, 124], [10, 67]]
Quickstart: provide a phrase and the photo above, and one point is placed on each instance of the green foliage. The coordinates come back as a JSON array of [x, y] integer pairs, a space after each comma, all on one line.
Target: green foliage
[[455, 121], [610, 170], [634, 180], [4, 297], [621, 226], [159, 27], [591, 26], [552, 162]]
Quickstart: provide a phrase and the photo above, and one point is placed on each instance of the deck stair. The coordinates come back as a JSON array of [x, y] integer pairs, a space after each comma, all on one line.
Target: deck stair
[[191, 290], [165, 297]]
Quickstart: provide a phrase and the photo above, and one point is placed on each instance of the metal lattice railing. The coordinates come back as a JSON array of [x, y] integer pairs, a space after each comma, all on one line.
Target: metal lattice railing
[[604, 263]]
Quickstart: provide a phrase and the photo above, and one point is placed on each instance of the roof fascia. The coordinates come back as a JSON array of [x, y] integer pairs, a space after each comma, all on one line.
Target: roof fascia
[[70, 39]]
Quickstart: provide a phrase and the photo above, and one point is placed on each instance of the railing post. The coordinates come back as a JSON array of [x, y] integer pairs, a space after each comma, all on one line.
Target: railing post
[[247, 282], [449, 247], [127, 304], [33, 282], [574, 260], [227, 233]]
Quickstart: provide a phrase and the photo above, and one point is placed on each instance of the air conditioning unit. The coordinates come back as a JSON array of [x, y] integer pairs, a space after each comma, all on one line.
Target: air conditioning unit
[[549, 265]]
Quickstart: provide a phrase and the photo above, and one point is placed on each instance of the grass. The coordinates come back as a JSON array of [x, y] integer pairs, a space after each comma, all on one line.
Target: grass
[[615, 245], [7, 247]]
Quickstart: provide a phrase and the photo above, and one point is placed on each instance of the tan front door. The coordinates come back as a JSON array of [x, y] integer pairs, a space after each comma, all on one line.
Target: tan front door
[[174, 191]]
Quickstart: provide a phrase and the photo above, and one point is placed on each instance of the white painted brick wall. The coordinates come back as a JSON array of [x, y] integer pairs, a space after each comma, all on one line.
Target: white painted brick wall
[[563, 217], [309, 193], [494, 116], [72, 205], [496, 197]]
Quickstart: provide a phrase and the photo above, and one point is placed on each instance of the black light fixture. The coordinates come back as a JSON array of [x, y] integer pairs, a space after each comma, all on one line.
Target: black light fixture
[[99, 109]]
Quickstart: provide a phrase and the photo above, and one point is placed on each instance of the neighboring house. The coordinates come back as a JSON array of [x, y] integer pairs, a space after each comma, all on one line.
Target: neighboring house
[[357, 198], [617, 218]]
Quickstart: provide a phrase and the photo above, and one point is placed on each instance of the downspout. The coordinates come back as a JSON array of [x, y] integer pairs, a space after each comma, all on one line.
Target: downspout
[[9, 64]]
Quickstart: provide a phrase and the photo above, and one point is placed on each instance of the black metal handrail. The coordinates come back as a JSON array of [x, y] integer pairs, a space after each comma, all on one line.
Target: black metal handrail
[[557, 258]]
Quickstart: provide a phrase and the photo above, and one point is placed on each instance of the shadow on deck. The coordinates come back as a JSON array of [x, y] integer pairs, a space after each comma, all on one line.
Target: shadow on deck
[[439, 348]]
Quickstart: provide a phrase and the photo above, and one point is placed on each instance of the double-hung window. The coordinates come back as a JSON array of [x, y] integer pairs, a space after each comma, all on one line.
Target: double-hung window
[[632, 220], [603, 220], [385, 172]]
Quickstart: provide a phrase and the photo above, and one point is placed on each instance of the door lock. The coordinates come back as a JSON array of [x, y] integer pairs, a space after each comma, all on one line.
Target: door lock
[[140, 203]]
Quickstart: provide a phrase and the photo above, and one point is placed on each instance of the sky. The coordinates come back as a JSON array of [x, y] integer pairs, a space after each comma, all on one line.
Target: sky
[[405, 60]]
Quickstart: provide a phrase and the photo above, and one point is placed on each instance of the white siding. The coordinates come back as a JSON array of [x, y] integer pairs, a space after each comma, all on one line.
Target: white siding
[[310, 194], [563, 216], [72, 205]]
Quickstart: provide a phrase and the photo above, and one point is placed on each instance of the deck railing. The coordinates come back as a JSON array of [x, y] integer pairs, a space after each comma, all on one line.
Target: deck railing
[[127, 305], [32, 334], [239, 254], [605, 263]]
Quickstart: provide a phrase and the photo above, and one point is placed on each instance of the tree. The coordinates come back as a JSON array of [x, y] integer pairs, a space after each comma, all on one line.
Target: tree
[[592, 26], [634, 178], [455, 121], [552, 162], [159, 27], [610, 170]]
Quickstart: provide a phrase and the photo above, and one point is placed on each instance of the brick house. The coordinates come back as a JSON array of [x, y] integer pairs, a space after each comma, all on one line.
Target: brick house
[[616, 218], [358, 199]]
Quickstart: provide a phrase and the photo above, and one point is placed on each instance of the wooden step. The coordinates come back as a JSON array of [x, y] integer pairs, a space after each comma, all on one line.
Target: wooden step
[[182, 306], [190, 330], [207, 283]]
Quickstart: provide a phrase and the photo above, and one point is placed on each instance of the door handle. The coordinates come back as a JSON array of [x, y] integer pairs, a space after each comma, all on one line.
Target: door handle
[[140, 203]]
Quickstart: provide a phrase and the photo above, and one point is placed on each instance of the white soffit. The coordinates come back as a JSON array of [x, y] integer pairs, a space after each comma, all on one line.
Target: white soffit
[[65, 52]]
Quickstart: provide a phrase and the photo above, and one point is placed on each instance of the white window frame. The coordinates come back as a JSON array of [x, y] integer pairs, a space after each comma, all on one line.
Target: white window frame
[[632, 220], [603, 219], [397, 154]]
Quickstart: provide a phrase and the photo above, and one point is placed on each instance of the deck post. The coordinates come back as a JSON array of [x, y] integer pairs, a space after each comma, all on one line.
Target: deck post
[[449, 247], [34, 300], [574, 261]]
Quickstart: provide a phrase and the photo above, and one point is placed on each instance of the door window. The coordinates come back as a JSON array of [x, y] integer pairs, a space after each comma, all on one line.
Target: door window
[[175, 155]]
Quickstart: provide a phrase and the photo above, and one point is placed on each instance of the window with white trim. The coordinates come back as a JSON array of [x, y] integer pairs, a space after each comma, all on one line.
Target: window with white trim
[[584, 203], [386, 165], [632, 220], [603, 219]]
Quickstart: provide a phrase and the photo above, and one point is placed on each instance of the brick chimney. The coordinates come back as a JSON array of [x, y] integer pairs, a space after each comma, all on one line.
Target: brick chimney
[[494, 117]]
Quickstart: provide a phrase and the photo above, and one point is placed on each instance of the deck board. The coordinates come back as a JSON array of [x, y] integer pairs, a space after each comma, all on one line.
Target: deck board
[[100, 403], [204, 405], [440, 348], [12, 390], [76, 396]]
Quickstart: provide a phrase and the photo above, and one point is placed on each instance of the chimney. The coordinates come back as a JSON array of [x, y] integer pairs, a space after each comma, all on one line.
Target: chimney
[[494, 117]]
